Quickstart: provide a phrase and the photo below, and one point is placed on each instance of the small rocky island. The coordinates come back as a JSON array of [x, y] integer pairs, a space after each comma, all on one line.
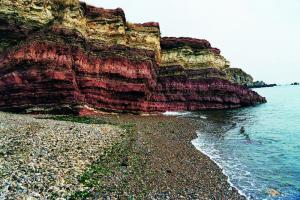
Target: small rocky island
[[65, 56]]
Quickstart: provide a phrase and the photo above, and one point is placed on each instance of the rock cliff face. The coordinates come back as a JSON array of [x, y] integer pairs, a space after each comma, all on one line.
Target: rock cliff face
[[191, 53], [238, 76], [58, 54]]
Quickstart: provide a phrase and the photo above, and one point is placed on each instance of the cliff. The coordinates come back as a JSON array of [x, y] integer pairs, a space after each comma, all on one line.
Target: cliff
[[238, 76], [191, 53], [58, 54]]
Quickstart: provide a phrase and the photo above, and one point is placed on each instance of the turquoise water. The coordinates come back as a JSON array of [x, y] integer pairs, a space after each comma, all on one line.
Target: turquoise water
[[266, 155]]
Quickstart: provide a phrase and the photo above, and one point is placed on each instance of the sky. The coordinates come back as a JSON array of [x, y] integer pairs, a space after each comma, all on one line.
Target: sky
[[260, 36]]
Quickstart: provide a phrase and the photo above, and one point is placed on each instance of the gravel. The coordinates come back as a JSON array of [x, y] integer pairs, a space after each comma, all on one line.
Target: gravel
[[42, 158]]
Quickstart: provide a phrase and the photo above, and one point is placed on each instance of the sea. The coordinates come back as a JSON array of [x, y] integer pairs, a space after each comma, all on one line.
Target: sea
[[258, 147]]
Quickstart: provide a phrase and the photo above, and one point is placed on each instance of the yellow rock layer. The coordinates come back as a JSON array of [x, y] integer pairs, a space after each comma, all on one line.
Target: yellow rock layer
[[188, 58], [111, 29]]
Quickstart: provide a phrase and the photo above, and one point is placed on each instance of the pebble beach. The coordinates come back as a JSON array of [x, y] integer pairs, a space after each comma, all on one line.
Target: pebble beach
[[42, 158], [45, 158]]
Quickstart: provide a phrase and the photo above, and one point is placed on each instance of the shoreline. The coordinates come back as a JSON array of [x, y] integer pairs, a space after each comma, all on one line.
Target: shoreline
[[222, 168], [155, 159], [203, 177]]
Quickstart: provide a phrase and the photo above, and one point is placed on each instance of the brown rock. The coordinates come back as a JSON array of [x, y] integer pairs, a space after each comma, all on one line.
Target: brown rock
[[92, 58]]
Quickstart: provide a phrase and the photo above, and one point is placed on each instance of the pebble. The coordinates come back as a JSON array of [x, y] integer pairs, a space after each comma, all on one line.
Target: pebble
[[272, 192], [40, 157]]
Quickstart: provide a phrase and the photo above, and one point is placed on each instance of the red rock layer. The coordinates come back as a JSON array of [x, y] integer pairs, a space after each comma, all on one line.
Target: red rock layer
[[54, 68], [199, 90], [147, 24], [91, 11], [42, 73], [173, 43], [46, 73]]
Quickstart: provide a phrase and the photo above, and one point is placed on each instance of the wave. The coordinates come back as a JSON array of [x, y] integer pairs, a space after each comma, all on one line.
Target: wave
[[214, 155], [171, 113], [185, 114]]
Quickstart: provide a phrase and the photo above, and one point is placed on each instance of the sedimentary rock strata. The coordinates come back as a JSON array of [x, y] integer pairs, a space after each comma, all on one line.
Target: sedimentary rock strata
[[238, 76], [66, 54]]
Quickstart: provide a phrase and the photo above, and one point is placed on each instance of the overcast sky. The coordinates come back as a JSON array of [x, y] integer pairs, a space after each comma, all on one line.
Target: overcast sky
[[260, 36]]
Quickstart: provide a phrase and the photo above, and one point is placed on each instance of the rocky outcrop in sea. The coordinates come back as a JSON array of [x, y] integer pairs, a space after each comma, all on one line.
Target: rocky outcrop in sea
[[67, 56]]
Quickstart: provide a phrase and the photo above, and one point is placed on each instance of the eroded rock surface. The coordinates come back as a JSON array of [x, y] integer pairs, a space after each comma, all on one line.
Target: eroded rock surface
[[238, 76], [65, 54]]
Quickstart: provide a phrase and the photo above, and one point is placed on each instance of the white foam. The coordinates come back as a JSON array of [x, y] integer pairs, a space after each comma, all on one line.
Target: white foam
[[172, 113], [213, 154]]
